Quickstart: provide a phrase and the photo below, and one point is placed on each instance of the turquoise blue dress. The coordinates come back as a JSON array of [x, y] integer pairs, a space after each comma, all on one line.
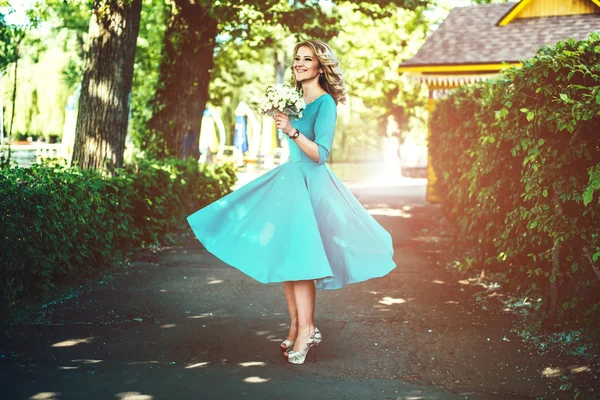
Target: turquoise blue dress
[[298, 221]]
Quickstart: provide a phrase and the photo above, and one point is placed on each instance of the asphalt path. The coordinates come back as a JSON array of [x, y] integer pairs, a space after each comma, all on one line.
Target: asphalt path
[[180, 324]]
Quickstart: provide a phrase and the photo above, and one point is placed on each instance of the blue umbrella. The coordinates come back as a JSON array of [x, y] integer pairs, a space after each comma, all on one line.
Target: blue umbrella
[[240, 139]]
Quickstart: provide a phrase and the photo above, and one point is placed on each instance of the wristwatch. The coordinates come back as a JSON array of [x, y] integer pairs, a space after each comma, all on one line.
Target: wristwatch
[[296, 134]]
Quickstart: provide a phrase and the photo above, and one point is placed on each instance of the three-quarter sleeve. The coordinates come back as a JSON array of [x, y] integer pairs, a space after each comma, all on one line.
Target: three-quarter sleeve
[[325, 128]]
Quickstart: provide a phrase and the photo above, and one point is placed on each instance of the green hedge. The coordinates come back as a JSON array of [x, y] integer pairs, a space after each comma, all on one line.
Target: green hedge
[[60, 222], [518, 166]]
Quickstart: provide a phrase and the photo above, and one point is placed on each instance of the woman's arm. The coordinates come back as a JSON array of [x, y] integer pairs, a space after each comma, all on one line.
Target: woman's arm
[[309, 147], [318, 151]]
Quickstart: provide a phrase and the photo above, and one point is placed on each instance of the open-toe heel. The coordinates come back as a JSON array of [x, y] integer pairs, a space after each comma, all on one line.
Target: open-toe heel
[[298, 357], [286, 345]]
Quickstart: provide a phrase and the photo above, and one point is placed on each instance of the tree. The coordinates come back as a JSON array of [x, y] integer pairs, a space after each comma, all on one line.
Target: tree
[[106, 87], [148, 56], [73, 18], [196, 31], [371, 60], [70, 21], [11, 38]]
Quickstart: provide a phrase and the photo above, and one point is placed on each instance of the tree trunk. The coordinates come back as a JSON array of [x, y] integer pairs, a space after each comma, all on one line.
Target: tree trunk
[[184, 78], [14, 96], [106, 87]]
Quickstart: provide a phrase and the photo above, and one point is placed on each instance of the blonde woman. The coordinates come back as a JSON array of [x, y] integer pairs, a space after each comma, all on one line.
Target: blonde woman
[[298, 224]]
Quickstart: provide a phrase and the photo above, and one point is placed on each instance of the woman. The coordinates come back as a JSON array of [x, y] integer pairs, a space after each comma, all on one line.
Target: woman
[[298, 223]]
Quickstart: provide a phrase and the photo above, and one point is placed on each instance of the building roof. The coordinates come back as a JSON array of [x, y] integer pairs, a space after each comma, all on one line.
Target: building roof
[[470, 35]]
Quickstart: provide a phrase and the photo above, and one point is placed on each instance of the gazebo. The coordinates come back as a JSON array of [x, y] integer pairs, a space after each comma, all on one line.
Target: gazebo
[[474, 43]]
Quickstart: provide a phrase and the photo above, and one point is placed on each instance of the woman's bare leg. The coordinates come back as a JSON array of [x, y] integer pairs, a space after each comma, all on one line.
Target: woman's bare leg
[[304, 292], [292, 309]]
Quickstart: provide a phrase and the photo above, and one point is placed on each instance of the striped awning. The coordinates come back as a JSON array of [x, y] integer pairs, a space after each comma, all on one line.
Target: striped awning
[[447, 81]]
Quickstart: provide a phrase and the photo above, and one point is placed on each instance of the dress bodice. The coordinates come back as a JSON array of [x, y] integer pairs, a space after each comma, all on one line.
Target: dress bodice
[[317, 124]]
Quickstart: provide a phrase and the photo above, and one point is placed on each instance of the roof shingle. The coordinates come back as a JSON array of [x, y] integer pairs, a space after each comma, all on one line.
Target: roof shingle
[[469, 35]]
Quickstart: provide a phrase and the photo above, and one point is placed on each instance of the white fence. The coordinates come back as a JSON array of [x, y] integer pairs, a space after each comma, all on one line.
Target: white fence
[[26, 154]]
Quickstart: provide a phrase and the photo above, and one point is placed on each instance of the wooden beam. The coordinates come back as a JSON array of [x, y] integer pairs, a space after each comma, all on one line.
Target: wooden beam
[[513, 12], [546, 8]]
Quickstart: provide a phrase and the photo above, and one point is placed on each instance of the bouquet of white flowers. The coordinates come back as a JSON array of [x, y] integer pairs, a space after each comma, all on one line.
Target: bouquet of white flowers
[[282, 98]]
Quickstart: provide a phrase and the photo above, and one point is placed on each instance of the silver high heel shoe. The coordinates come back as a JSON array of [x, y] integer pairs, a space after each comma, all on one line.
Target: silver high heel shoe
[[298, 357], [286, 345], [317, 335], [318, 339]]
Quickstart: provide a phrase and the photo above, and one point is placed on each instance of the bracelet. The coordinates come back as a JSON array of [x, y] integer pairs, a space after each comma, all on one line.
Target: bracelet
[[295, 135]]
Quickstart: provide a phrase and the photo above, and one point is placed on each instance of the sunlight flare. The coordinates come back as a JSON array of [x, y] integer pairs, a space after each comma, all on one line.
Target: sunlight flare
[[197, 365], [133, 396], [256, 379], [389, 212], [86, 361], [203, 315], [583, 368], [252, 364], [142, 362], [45, 396], [552, 372], [74, 342], [388, 301], [266, 234]]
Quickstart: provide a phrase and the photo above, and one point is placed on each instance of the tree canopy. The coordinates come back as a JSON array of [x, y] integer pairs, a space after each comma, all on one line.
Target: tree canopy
[[250, 49]]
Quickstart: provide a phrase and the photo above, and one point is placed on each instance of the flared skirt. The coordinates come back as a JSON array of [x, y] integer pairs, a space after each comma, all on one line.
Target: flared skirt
[[296, 222]]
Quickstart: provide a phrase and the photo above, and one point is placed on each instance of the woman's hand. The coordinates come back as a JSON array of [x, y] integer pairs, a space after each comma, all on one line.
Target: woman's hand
[[282, 121]]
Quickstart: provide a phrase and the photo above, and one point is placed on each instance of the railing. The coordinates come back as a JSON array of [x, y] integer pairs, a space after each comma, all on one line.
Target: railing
[[24, 154], [232, 155]]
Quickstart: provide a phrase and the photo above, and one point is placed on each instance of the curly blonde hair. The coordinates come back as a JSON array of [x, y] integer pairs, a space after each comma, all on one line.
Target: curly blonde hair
[[332, 79]]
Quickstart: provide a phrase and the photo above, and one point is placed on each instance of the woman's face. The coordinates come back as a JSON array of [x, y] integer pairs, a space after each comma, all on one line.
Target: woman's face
[[306, 65]]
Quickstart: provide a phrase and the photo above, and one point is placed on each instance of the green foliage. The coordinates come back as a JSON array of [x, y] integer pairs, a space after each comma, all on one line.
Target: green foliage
[[10, 37], [148, 55], [49, 70], [164, 193], [59, 222], [369, 51], [518, 161], [371, 58], [41, 92]]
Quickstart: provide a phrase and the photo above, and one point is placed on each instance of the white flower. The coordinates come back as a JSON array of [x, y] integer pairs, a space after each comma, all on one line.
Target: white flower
[[282, 98]]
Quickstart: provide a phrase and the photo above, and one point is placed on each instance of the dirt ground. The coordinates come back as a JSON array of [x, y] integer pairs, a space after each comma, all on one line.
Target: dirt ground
[[177, 323]]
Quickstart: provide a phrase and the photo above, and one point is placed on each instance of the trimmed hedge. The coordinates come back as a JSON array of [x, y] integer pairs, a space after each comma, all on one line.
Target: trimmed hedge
[[58, 222], [518, 166]]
